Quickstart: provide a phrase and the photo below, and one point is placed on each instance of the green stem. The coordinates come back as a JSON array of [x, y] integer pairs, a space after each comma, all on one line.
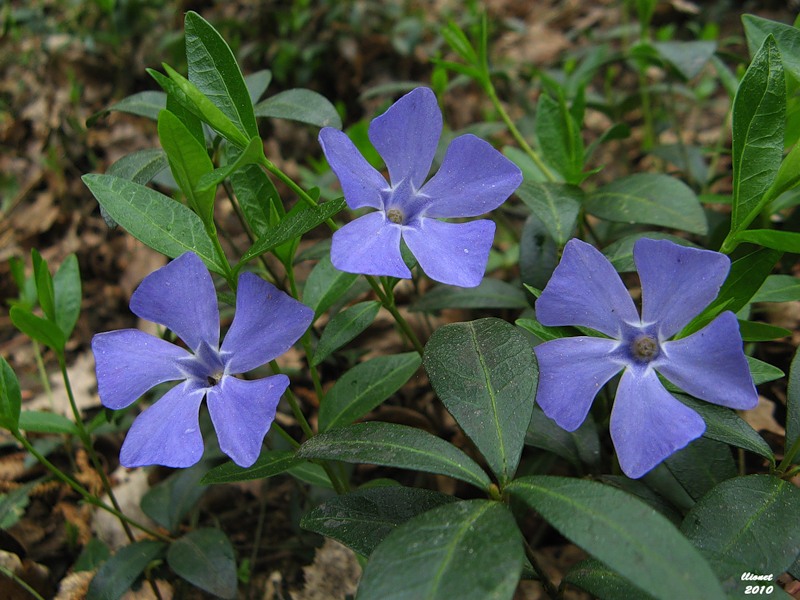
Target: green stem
[[285, 435], [548, 586], [20, 582], [305, 339], [37, 353], [387, 299], [790, 454]]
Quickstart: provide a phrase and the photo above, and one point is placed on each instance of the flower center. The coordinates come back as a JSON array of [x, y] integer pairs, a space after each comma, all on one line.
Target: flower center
[[644, 348], [395, 215], [213, 379]]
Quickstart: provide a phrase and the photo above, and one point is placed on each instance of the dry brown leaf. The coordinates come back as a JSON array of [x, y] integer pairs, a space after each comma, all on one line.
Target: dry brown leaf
[[333, 574]]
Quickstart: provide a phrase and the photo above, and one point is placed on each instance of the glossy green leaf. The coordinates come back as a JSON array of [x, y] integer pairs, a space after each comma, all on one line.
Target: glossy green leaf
[[491, 293], [701, 465], [543, 332], [156, 220], [213, 69], [759, 113], [205, 558], [485, 374], [249, 156], [67, 284], [688, 58], [624, 533], [144, 104], [171, 500], [39, 329], [785, 241], [787, 37], [344, 327], [793, 406], [46, 422], [294, 226], [188, 161], [467, 550], [140, 167], [301, 105], [753, 331], [310, 473], [10, 397], [650, 198], [257, 83], [119, 572], [271, 462], [778, 288], [93, 555], [392, 445], [762, 372], [45, 292], [325, 285], [620, 253], [556, 205], [362, 519], [364, 387], [788, 173], [559, 136], [538, 254], [602, 582], [255, 192], [579, 447], [749, 521]]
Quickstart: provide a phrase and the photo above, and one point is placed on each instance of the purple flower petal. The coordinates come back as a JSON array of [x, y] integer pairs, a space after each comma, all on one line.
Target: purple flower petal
[[242, 412], [710, 364], [361, 183], [474, 178], [571, 372], [648, 424], [181, 297], [168, 432], [453, 253], [370, 245], [266, 324], [677, 282], [129, 362], [406, 136], [586, 290]]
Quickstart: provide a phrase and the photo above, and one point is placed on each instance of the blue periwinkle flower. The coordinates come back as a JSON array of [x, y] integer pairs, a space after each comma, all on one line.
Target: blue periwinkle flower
[[181, 297], [647, 423], [474, 178]]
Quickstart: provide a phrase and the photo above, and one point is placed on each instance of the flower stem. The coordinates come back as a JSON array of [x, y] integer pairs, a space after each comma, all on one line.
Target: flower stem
[[788, 457], [548, 586], [20, 582], [305, 340], [387, 299]]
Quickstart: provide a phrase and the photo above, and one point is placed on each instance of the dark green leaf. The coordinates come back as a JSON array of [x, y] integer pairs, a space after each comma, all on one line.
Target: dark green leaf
[[257, 83], [543, 332], [205, 558], [778, 288], [364, 387], [46, 422], [753, 331], [620, 253], [45, 291], [748, 521], [39, 329], [762, 372], [688, 58], [701, 465], [793, 406], [556, 205], [560, 139], [213, 69], [362, 519], [140, 167], [271, 462], [158, 221], [538, 254], [578, 447], [249, 156], [787, 37], [325, 285], [118, 573], [624, 533], [255, 192], [759, 113], [485, 374], [344, 327], [310, 473], [491, 293], [94, 554], [301, 105], [67, 284], [601, 582], [650, 198], [144, 104], [466, 550], [788, 174], [171, 500], [10, 397], [393, 445], [785, 241]]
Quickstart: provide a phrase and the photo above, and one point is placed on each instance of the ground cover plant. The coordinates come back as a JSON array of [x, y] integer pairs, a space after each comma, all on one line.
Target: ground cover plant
[[576, 357]]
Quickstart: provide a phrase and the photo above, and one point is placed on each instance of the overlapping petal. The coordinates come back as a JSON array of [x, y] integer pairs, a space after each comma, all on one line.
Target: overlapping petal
[[407, 134], [571, 372], [242, 412], [369, 245], [128, 362], [266, 324], [474, 178], [181, 297], [361, 183], [586, 290], [711, 365], [678, 282], [168, 432], [453, 253]]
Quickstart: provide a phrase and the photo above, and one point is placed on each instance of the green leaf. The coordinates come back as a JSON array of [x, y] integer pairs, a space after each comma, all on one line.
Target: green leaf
[[578, 447], [620, 253], [293, 227], [257, 83], [188, 161], [301, 105], [559, 136], [793, 406], [624, 533], [785, 241], [117, 574], [788, 173], [362, 519], [467, 550], [156, 220], [39, 329], [778, 288], [344, 327], [364, 387], [255, 193], [10, 397], [249, 156], [749, 521], [144, 104], [271, 462], [485, 374], [701, 465], [325, 285], [46, 422], [140, 167], [556, 204], [491, 293], [171, 500], [44, 285], [67, 284], [543, 332], [787, 37], [759, 114], [688, 58], [753, 331], [392, 445], [93, 555], [762, 372], [601, 582], [213, 69], [205, 558], [650, 198], [724, 425]]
